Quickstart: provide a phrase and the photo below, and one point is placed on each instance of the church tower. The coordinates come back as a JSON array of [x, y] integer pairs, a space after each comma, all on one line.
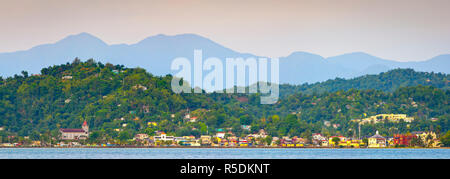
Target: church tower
[[85, 127]]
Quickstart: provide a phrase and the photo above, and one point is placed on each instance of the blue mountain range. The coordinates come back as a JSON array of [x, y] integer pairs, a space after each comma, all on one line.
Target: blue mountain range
[[156, 53]]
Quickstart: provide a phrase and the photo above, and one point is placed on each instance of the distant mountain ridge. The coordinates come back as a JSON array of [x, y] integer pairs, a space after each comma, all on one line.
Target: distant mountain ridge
[[156, 53]]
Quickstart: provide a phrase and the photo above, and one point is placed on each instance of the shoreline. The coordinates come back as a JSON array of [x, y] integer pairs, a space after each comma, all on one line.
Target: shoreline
[[205, 147]]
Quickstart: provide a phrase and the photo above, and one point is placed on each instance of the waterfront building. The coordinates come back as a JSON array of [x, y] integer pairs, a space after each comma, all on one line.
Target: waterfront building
[[324, 143], [317, 139], [232, 140], [75, 134], [341, 139], [243, 143], [36, 143], [220, 135], [190, 138], [261, 134], [205, 139], [141, 136], [224, 142], [377, 141], [274, 141], [429, 139], [318, 136], [299, 140], [403, 139], [163, 137], [355, 143], [195, 144]]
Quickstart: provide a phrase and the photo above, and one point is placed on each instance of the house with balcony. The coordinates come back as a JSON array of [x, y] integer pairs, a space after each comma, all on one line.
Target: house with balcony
[[377, 141]]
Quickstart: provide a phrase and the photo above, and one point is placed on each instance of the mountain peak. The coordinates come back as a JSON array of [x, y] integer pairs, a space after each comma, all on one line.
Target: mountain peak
[[178, 37], [356, 57], [304, 55], [441, 57], [356, 54], [83, 37]]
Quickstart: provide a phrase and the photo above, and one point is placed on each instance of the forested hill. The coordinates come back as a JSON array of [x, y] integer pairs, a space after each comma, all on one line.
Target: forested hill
[[65, 95], [119, 102], [386, 81]]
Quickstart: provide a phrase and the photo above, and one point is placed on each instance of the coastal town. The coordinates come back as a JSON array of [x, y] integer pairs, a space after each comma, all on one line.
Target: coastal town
[[226, 138]]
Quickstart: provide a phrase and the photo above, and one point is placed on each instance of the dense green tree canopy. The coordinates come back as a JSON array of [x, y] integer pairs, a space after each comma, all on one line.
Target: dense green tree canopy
[[111, 97]]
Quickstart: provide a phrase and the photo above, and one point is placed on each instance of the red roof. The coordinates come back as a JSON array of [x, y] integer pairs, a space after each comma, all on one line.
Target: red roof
[[72, 130], [85, 123]]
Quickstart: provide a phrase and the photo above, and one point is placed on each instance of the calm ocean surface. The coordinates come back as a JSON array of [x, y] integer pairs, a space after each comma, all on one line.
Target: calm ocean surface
[[220, 153]]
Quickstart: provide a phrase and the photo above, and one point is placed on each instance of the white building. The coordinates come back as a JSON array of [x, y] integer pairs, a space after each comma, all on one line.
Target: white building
[[67, 77], [318, 137], [377, 141], [163, 137], [75, 134], [220, 135]]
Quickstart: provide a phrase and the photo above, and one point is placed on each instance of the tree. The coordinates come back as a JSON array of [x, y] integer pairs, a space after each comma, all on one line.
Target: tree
[[104, 96], [365, 141], [446, 139], [124, 136], [278, 142], [335, 141], [245, 120], [268, 140], [35, 135], [429, 140], [417, 142], [94, 136], [24, 74]]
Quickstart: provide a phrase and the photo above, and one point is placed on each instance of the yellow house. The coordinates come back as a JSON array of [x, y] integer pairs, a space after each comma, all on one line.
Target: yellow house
[[342, 140], [189, 137], [429, 139], [288, 145], [218, 139], [354, 143], [390, 117], [206, 139], [36, 143]]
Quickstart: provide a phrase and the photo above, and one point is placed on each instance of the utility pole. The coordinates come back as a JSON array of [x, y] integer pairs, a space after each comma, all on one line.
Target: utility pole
[[359, 129]]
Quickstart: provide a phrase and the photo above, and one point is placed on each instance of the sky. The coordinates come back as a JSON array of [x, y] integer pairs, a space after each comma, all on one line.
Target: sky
[[402, 30]]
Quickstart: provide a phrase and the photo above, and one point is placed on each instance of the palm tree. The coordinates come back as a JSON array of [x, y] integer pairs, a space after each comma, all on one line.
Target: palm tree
[[429, 140]]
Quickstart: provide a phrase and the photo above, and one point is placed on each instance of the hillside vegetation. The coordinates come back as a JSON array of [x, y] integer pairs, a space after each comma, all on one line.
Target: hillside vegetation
[[385, 81], [108, 96]]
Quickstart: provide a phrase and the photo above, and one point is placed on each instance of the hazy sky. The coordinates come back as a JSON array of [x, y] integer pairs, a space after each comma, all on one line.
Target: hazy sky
[[404, 30]]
